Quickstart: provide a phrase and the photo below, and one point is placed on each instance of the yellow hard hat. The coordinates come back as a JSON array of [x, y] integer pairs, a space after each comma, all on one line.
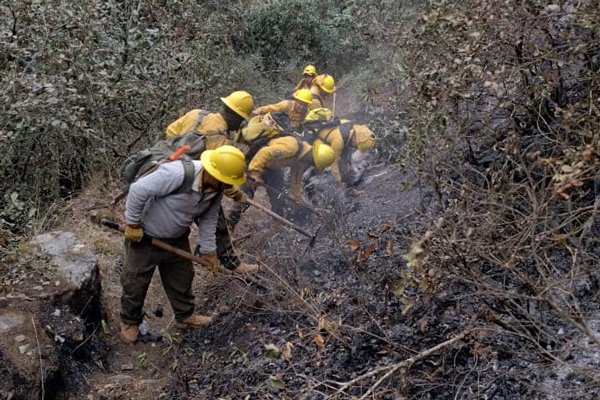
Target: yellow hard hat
[[226, 164], [318, 114], [323, 155], [326, 83], [365, 138], [310, 69], [304, 95], [240, 102]]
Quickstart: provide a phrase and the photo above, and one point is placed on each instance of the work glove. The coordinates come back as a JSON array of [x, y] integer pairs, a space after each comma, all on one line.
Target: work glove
[[134, 233], [258, 183], [210, 261], [239, 196]]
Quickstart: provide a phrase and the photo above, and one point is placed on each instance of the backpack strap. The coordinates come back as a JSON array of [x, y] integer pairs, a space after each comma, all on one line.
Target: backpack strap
[[345, 129], [188, 177], [312, 129], [201, 115], [318, 96], [300, 146], [259, 143]]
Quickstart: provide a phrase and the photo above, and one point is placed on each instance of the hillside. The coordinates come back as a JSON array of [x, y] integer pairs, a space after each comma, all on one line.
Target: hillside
[[463, 265]]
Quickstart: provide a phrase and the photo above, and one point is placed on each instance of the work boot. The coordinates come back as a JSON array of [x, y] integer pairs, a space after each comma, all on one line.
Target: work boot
[[246, 268], [129, 333], [194, 321]]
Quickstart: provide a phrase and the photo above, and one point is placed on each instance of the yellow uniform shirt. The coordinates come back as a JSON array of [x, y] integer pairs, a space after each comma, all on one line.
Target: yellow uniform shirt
[[333, 137], [281, 153], [284, 106]]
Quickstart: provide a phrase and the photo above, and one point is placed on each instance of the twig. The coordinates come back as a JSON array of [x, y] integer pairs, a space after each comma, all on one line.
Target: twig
[[40, 355], [238, 239], [394, 367]]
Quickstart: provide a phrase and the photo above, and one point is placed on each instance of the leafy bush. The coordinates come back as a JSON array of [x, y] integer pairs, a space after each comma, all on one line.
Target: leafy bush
[[282, 32], [86, 83], [504, 123]]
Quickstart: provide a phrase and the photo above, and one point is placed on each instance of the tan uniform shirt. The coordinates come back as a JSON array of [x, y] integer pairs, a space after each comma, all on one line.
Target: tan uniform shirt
[[284, 106], [281, 153]]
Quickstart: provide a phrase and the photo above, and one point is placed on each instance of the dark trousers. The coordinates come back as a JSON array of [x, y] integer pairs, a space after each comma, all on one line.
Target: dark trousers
[[176, 273], [225, 251], [274, 179]]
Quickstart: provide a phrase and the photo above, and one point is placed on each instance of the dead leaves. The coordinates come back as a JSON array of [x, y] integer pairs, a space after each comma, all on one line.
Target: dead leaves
[[286, 352], [389, 249], [567, 175], [363, 254], [368, 252], [319, 341], [273, 351], [276, 382]]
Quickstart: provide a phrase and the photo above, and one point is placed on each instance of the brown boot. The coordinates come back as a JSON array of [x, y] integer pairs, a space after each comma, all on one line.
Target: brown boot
[[129, 333], [246, 268], [194, 321]]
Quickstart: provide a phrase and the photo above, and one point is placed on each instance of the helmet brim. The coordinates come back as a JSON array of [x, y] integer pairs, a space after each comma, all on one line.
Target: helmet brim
[[317, 143], [302, 100], [210, 168], [235, 109]]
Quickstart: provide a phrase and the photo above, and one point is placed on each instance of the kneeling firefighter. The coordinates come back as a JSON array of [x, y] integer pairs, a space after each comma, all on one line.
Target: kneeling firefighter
[[270, 155], [344, 136]]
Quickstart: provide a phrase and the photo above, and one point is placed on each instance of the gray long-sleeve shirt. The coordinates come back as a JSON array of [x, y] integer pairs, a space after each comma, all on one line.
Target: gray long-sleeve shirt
[[151, 202]]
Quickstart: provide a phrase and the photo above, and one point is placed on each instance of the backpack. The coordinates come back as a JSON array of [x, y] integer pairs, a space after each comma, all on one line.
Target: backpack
[[146, 161], [317, 120], [267, 125], [261, 129]]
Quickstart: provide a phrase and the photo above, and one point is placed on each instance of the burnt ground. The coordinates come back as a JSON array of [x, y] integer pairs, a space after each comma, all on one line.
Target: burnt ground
[[319, 316]]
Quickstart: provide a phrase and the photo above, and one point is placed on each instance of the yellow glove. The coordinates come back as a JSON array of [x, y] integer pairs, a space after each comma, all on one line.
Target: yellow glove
[[210, 261], [134, 232]]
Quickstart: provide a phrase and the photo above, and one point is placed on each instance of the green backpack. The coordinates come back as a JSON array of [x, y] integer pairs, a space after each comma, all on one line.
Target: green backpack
[[146, 161]]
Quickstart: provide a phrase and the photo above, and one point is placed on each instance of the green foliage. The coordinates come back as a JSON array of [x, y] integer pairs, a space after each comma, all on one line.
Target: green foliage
[[282, 32], [86, 83]]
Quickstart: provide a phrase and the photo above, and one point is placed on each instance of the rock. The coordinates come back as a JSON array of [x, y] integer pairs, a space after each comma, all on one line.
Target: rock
[[20, 338], [144, 328], [127, 367], [120, 379], [56, 313], [23, 349], [10, 320], [75, 267]]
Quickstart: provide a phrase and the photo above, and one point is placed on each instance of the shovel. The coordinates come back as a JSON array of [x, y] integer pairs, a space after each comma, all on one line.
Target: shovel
[[284, 221], [181, 253]]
